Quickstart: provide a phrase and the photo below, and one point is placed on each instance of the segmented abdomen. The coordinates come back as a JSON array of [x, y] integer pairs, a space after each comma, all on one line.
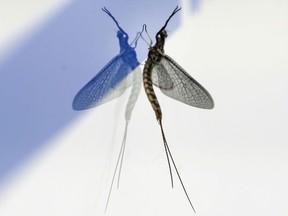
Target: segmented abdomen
[[148, 86]]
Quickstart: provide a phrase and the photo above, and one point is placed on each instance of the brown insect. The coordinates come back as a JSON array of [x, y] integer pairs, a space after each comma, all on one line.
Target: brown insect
[[162, 71]]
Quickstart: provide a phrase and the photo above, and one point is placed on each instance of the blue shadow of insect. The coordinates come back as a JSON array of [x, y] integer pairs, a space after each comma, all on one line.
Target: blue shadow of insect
[[110, 81]]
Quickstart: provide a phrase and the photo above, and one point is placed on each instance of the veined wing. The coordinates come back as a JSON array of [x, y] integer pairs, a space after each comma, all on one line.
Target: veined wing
[[183, 88], [162, 81], [108, 84]]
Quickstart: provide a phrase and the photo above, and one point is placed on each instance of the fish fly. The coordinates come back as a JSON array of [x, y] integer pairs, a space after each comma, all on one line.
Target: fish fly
[[162, 71], [111, 82]]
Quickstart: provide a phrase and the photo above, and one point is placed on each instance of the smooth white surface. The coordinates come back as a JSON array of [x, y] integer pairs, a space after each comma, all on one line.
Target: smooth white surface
[[233, 159]]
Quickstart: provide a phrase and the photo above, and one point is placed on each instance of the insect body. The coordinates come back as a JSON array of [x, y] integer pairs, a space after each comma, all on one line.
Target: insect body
[[162, 71], [111, 82]]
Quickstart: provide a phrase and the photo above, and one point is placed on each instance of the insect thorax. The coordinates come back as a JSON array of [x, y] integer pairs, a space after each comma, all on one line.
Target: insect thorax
[[155, 54], [129, 57], [157, 51]]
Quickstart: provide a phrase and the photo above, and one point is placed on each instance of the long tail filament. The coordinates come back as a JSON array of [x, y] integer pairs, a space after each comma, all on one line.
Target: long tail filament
[[169, 156], [120, 159]]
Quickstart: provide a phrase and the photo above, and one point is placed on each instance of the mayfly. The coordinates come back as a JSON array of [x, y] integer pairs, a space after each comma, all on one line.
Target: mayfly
[[162, 71], [112, 81]]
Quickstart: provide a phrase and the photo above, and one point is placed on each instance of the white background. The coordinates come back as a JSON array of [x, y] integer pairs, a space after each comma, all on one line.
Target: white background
[[233, 159]]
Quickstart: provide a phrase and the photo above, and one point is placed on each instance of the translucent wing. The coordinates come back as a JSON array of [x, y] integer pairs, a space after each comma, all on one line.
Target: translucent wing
[[163, 81], [176, 83], [108, 84]]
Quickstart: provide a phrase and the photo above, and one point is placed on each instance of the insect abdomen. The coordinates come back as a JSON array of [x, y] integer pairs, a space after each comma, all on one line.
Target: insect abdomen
[[148, 86]]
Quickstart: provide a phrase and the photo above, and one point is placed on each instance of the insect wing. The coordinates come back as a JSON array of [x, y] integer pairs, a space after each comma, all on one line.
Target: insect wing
[[161, 79], [184, 88], [108, 84]]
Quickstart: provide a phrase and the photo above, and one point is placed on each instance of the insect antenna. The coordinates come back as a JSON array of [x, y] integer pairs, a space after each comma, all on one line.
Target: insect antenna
[[109, 13], [166, 23]]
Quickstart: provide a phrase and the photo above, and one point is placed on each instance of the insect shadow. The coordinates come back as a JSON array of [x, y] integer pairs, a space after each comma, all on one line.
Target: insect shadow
[[111, 82], [162, 71]]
